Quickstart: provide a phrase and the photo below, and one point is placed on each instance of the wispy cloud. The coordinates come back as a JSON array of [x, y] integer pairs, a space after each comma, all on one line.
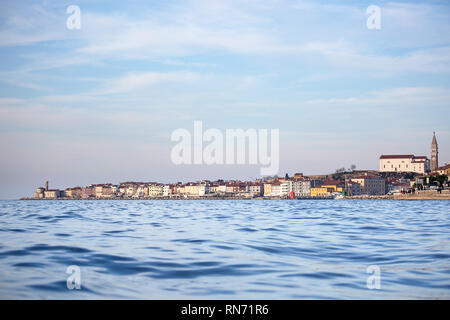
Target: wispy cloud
[[139, 81], [403, 97], [135, 71]]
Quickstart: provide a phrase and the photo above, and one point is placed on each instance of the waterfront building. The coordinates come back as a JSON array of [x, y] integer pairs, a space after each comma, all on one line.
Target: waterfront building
[[107, 191], [286, 188], [333, 185], [98, 190], [214, 187], [327, 187], [301, 188], [276, 190], [203, 189], [255, 189], [231, 187], [353, 188], [131, 190], [45, 192], [155, 190], [102, 190], [371, 185], [181, 189], [87, 192], [52, 194], [142, 191], [267, 189], [319, 192], [222, 188], [404, 163], [191, 189], [39, 194], [167, 190], [73, 193]]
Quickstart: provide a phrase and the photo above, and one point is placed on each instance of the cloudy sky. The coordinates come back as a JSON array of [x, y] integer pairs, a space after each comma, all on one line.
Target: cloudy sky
[[99, 104]]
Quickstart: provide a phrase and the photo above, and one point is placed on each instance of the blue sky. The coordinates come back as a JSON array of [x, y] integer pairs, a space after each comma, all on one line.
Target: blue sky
[[99, 104]]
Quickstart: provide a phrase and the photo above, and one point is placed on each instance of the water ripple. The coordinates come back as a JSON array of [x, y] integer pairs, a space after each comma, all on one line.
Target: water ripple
[[225, 249]]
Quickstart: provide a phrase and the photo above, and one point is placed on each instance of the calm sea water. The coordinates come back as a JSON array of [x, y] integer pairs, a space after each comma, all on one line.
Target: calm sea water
[[225, 249]]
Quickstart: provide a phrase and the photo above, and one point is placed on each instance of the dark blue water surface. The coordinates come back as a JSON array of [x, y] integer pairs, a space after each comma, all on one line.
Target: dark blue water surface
[[225, 249]]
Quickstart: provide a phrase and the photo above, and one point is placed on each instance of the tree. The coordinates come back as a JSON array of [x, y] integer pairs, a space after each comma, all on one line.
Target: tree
[[441, 179]]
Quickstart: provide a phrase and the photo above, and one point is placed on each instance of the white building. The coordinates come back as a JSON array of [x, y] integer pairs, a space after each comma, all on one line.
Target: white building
[[285, 188], [203, 188], [222, 188], [167, 190], [302, 188], [275, 190], [404, 163]]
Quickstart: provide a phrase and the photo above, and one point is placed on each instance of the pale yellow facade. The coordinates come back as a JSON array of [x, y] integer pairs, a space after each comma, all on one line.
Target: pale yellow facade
[[319, 192], [214, 188], [155, 190], [192, 189], [51, 194], [404, 163]]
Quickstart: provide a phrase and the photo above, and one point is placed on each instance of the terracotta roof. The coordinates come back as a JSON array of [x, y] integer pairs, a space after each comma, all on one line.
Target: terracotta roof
[[332, 183], [366, 177], [403, 156]]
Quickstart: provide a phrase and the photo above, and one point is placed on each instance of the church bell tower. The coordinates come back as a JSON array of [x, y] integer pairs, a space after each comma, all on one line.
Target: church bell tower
[[434, 153]]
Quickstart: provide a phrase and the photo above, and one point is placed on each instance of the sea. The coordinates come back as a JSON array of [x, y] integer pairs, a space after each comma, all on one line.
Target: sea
[[225, 249]]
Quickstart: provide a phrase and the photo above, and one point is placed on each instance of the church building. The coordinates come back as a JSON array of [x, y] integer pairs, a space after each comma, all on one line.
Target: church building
[[410, 162]]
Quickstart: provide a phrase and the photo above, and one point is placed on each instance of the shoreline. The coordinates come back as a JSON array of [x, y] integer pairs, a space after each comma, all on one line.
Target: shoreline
[[365, 197], [402, 197]]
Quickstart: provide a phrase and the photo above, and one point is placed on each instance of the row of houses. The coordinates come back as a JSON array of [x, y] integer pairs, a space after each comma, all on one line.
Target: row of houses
[[295, 187], [444, 170]]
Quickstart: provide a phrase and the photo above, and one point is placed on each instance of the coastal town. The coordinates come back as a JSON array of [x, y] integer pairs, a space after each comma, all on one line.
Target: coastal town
[[398, 175]]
